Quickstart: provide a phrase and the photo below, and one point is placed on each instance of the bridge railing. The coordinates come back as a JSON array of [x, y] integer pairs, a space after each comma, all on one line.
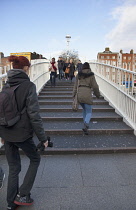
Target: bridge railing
[[39, 75], [117, 86]]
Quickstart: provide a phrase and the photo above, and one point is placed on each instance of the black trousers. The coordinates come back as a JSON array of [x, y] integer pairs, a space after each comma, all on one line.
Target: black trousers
[[1, 173], [14, 162]]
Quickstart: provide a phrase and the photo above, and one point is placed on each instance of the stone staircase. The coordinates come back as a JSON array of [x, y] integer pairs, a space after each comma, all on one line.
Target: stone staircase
[[108, 133]]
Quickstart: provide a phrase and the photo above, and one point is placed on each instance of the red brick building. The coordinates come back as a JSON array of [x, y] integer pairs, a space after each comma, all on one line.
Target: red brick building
[[120, 59], [108, 57]]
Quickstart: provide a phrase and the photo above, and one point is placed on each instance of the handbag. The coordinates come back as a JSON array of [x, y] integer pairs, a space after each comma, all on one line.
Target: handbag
[[75, 104], [67, 70]]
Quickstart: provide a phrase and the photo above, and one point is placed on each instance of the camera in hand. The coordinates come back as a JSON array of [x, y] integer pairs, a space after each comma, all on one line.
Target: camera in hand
[[41, 146], [50, 143]]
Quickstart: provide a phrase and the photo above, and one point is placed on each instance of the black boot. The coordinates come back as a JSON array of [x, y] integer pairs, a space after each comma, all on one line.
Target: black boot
[[85, 129]]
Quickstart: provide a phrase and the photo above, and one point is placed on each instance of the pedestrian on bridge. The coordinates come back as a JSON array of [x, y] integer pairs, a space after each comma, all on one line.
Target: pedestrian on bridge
[[84, 84], [60, 68], [79, 66], [72, 69], [20, 135], [53, 69], [66, 69]]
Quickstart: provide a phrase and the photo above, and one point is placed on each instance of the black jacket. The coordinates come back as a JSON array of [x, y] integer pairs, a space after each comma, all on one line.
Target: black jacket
[[30, 121]]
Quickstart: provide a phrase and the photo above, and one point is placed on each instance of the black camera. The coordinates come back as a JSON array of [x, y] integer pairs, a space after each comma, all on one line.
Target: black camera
[[50, 143], [41, 146]]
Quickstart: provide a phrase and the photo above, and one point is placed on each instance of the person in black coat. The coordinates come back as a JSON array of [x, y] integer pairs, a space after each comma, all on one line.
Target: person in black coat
[[79, 66], [20, 136], [60, 68], [72, 69]]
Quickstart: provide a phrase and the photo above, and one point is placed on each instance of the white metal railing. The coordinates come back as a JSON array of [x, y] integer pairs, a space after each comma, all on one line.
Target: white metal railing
[[117, 86], [39, 75]]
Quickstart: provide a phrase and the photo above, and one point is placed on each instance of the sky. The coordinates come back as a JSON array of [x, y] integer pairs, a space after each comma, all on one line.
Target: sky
[[42, 25]]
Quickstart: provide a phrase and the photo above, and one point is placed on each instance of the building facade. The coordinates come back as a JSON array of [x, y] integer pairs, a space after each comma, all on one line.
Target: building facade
[[30, 56], [120, 59], [108, 57]]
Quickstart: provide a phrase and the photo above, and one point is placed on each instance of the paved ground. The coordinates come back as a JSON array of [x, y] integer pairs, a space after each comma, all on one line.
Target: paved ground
[[81, 182]]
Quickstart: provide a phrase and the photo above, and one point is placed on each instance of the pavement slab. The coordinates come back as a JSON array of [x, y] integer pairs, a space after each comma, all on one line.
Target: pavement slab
[[80, 182]]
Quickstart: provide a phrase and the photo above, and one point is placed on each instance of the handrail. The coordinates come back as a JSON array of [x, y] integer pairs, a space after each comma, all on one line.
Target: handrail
[[117, 86], [39, 75]]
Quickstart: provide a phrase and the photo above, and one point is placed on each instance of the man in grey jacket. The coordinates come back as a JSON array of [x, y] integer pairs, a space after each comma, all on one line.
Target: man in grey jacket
[[20, 136]]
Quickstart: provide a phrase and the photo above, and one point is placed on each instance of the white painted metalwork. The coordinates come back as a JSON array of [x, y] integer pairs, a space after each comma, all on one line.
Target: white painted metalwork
[[39, 75], [117, 86]]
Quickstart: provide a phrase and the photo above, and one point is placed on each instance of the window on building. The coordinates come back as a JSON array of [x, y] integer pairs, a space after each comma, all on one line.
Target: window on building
[[102, 57], [113, 57], [129, 58], [124, 57], [108, 57]]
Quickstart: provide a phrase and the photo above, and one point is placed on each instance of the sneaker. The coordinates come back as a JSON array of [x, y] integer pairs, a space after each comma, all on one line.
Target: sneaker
[[13, 207], [23, 200], [2, 180]]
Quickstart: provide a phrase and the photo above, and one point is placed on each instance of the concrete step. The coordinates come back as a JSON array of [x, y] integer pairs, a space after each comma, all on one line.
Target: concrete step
[[52, 97], [52, 119], [70, 102], [71, 126], [91, 144], [69, 109], [50, 93], [55, 93], [78, 114], [90, 131], [58, 89], [58, 86]]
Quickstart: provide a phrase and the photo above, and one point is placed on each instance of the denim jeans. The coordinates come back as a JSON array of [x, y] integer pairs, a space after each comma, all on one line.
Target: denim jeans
[[14, 162], [87, 113], [61, 73], [53, 78]]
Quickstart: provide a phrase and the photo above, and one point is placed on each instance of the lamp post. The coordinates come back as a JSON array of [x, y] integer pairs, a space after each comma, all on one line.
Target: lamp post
[[68, 37]]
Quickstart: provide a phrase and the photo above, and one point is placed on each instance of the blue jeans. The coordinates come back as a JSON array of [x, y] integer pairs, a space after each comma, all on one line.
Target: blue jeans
[[53, 78], [87, 113], [61, 73]]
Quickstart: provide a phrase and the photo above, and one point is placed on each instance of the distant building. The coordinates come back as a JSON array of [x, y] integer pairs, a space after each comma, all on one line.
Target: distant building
[[120, 59], [128, 60], [5, 64], [30, 56], [108, 57]]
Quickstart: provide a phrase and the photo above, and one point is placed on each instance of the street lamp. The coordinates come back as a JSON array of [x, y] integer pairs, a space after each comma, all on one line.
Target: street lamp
[[68, 37]]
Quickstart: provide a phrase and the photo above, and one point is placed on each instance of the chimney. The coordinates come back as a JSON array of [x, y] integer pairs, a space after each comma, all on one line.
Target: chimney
[[131, 51], [107, 49]]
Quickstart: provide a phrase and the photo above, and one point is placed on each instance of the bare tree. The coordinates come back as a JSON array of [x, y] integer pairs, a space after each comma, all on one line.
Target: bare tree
[[70, 54]]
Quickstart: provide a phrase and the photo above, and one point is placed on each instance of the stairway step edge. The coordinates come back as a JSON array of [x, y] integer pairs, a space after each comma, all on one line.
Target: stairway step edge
[[90, 131], [108, 118], [78, 151], [79, 110]]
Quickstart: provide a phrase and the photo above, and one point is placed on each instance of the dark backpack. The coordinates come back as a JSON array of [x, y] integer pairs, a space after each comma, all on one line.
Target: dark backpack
[[9, 114]]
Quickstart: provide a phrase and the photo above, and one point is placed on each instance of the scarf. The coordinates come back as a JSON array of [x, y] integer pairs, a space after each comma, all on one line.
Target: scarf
[[53, 66]]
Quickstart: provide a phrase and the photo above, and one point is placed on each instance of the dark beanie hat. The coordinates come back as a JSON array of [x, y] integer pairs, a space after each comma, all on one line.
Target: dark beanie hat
[[86, 66]]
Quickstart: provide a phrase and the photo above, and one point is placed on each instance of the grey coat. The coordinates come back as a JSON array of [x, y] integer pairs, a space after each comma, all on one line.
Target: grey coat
[[86, 83]]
